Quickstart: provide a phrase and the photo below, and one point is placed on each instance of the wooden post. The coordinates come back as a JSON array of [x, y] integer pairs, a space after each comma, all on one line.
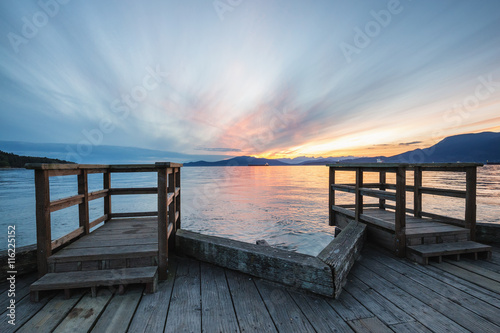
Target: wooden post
[[178, 199], [400, 219], [162, 223], [106, 178], [359, 197], [43, 232], [417, 193], [331, 197], [83, 208], [382, 181], [470, 201], [171, 206]]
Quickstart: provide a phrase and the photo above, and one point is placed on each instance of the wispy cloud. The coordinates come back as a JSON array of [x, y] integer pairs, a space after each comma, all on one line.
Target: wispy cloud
[[269, 79]]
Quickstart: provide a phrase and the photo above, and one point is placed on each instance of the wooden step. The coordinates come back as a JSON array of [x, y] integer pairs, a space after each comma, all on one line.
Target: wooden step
[[422, 253], [103, 253], [94, 279]]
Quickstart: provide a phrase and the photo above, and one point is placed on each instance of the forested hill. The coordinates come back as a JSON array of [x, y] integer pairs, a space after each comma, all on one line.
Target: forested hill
[[9, 160]]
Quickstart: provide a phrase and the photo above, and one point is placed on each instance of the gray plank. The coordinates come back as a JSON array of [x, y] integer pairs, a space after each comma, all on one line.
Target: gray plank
[[369, 325], [250, 309], [286, 315], [118, 314], [217, 307], [418, 309], [486, 264], [410, 327], [51, 314], [151, 313], [467, 301], [184, 314], [25, 310], [475, 278], [83, 316], [448, 308], [377, 304], [470, 266], [22, 290], [348, 307], [320, 314], [457, 282]]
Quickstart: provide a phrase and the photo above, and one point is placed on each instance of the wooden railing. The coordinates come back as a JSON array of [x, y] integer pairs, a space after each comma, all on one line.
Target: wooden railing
[[381, 191], [168, 211]]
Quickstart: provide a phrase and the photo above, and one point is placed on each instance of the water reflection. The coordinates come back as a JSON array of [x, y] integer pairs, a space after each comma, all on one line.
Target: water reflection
[[287, 206]]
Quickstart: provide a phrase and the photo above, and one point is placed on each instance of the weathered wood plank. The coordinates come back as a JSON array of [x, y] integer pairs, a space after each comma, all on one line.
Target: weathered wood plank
[[368, 325], [84, 279], [285, 313], [184, 314], [418, 309], [452, 310], [67, 238], [26, 261], [66, 202], [342, 252], [22, 289], [471, 277], [319, 313], [83, 316], [51, 314], [152, 311], [25, 310], [133, 190], [446, 290], [217, 307], [250, 309], [118, 313], [410, 327], [289, 268], [383, 309], [112, 252], [349, 308]]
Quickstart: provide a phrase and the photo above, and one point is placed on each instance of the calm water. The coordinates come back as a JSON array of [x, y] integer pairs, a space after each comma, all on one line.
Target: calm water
[[286, 206]]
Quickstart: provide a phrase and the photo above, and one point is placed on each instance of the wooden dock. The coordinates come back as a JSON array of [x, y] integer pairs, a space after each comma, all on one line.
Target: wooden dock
[[409, 232], [111, 253], [383, 294]]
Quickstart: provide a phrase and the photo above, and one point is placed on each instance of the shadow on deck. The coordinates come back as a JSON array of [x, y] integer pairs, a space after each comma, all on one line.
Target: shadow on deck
[[384, 294]]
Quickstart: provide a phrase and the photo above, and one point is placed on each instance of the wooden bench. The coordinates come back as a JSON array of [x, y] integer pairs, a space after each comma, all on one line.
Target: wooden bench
[[94, 279]]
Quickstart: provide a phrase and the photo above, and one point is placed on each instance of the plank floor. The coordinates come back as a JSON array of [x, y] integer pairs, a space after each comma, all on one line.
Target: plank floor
[[416, 226], [383, 294]]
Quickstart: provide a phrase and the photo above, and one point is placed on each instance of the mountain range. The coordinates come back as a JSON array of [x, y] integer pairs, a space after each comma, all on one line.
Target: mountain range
[[479, 147]]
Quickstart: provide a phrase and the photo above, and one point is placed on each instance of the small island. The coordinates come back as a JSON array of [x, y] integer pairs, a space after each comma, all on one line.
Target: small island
[[10, 160]]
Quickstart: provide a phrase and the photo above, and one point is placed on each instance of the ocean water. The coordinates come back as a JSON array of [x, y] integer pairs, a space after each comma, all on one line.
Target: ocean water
[[285, 205]]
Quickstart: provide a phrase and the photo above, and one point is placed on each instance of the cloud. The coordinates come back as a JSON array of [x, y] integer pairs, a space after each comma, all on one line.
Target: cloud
[[410, 143], [219, 149]]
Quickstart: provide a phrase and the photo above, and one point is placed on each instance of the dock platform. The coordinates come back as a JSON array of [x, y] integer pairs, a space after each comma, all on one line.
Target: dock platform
[[383, 294], [409, 232]]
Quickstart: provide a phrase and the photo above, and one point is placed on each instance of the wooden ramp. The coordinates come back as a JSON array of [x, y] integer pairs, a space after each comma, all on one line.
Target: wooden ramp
[[110, 255]]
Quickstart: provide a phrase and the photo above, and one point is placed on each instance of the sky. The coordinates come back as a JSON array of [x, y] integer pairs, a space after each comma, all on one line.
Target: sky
[[266, 78]]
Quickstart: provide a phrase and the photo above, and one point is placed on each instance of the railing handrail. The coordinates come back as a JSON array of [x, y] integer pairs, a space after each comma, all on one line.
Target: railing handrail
[[360, 190], [168, 202]]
